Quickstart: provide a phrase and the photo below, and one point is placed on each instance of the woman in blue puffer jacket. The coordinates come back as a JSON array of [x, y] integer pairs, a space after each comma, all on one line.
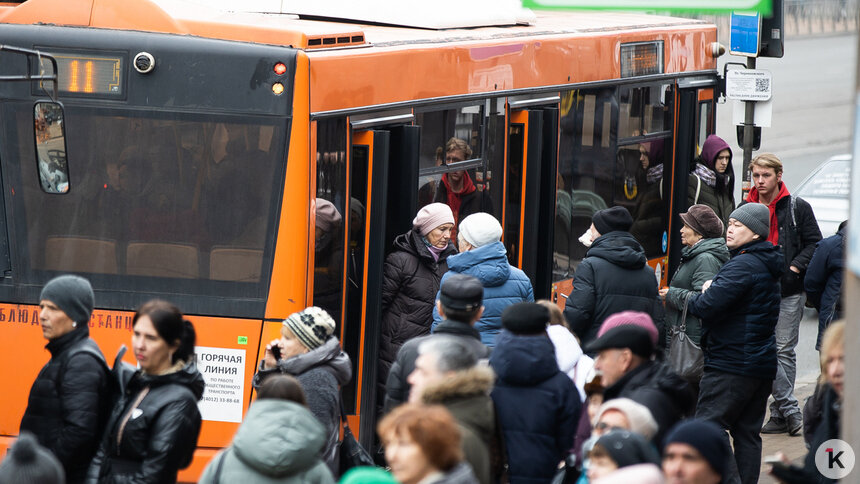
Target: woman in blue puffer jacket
[[482, 255]]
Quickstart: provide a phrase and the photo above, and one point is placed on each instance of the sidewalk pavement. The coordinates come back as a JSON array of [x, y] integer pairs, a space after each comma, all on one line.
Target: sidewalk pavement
[[793, 447]]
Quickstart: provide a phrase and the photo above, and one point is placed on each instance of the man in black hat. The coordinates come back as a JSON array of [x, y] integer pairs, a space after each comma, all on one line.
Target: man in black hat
[[460, 304], [614, 276], [625, 346]]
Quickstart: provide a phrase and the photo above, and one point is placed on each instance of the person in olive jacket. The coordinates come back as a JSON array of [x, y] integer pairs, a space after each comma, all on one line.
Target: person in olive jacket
[[153, 429], [739, 309], [703, 254], [67, 406], [613, 277], [712, 181], [411, 278]]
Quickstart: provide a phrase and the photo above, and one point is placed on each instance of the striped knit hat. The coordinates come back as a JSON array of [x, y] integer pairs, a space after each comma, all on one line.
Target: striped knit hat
[[312, 327]]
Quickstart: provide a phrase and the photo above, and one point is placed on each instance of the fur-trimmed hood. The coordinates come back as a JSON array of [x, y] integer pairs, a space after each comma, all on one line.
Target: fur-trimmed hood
[[475, 381]]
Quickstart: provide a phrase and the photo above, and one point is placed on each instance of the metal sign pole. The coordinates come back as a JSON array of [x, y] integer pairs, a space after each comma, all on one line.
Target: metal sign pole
[[749, 120]]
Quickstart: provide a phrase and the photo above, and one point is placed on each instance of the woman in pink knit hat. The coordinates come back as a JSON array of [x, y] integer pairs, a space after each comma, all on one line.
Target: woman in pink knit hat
[[410, 282]]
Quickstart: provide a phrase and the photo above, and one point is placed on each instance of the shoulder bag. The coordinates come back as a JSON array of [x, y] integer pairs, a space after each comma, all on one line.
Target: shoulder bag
[[352, 454], [685, 357]]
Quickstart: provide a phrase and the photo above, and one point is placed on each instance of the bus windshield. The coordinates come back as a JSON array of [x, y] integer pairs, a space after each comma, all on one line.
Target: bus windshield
[[168, 201]]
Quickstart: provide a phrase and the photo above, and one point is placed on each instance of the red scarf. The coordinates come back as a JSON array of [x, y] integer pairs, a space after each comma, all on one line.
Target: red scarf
[[753, 197], [454, 198]]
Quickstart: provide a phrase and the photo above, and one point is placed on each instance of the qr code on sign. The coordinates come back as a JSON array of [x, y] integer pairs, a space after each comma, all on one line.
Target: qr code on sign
[[762, 85]]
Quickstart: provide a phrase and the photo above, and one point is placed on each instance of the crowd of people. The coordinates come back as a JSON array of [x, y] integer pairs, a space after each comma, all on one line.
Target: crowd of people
[[477, 382]]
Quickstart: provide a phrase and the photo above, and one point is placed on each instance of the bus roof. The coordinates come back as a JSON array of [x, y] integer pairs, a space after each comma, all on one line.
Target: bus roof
[[310, 27]]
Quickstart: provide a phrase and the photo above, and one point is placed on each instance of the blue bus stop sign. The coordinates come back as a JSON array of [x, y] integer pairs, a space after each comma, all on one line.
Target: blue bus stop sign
[[745, 34]]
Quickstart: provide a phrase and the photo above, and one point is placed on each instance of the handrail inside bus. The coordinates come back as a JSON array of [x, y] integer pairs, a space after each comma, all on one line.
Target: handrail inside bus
[[30, 76]]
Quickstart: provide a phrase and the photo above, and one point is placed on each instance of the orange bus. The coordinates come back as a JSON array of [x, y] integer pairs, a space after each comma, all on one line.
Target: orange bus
[[187, 146]]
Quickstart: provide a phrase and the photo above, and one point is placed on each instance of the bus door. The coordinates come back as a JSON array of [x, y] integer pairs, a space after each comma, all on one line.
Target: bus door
[[694, 122], [530, 189], [383, 170]]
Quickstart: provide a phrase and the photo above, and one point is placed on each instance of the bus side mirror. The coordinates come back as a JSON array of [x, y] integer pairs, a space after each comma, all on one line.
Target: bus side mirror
[[50, 136]]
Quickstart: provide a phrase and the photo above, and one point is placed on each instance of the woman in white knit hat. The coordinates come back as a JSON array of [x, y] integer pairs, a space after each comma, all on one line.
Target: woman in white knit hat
[[411, 277], [308, 351], [482, 255]]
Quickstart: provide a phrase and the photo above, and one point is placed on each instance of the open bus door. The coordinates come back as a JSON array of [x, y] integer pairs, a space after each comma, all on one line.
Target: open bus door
[[530, 191], [694, 122], [382, 175]]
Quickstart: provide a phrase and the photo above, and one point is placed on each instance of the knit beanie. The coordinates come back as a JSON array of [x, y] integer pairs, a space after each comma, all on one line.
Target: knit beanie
[[72, 294], [367, 475], [312, 327], [27, 462], [703, 220], [635, 318], [327, 215], [628, 448], [480, 229], [641, 420], [755, 216], [431, 216], [525, 318], [707, 438], [612, 219]]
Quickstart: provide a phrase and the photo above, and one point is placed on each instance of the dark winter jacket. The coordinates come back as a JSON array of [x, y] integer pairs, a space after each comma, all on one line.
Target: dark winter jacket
[[477, 201], [721, 196], [466, 395], [409, 286], [153, 429], [279, 442], [699, 263], [397, 388], [67, 407], [460, 474], [537, 405], [827, 429], [722, 202], [798, 235], [823, 281], [503, 285], [656, 386], [613, 277], [739, 312], [321, 372]]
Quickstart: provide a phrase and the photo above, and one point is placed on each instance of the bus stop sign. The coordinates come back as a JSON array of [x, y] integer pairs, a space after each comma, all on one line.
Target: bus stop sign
[[745, 37]]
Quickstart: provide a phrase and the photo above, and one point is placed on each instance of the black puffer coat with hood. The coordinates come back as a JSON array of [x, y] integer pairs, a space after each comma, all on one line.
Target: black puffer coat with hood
[[153, 429], [410, 282], [613, 277]]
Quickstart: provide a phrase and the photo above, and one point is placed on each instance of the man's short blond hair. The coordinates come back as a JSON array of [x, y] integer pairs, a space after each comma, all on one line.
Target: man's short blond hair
[[767, 160]]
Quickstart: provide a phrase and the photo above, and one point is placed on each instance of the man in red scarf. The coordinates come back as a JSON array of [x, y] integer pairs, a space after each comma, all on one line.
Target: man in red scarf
[[457, 189], [793, 226]]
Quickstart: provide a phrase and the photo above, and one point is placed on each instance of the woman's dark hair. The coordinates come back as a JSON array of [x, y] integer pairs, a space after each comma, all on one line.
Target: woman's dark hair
[[282, 387], [171, 326]]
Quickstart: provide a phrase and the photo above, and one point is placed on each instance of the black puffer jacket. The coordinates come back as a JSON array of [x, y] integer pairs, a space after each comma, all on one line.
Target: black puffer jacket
[[739, 312], [153, 429], [397, 388], [410, 283], [613, 277], [656, 386], [67, 407]]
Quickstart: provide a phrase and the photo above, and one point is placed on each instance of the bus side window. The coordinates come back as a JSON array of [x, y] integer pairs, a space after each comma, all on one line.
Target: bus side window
[[51, 147], [329, 214]]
